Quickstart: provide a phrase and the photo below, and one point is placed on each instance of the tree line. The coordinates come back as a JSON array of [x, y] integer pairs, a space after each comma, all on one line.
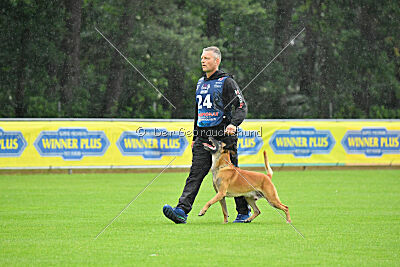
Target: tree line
[[345, 64]]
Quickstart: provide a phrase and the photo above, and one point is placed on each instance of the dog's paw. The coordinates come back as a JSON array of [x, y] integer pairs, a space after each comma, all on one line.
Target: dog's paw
[[201, 213]]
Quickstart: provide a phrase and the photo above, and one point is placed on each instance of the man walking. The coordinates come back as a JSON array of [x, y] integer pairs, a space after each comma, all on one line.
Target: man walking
[[216, 93]]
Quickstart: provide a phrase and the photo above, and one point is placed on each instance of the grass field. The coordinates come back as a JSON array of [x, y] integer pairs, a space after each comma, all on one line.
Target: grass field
[[347, 217]]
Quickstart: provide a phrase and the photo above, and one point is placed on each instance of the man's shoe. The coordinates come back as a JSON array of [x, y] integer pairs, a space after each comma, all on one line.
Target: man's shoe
[[177, 215], [242, 217]]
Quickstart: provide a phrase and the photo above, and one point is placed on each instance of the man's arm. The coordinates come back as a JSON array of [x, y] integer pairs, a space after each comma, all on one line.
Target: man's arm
[[232, 93]]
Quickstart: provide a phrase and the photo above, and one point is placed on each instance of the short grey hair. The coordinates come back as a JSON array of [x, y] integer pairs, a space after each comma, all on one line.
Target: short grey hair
[[215, 50]]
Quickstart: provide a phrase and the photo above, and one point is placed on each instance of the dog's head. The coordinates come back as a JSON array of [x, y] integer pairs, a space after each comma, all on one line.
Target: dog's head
[[218, 147]]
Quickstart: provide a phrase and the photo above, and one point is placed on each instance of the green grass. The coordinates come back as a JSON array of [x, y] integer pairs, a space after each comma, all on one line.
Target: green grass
[[347, 217]]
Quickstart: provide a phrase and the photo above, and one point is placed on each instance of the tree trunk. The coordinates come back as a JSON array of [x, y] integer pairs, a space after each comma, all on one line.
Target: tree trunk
[[308, 62], [367, 25], [113, 91], [283, 23], [117, 65], [70, 80], [282, 33], [176, 88], [213, 22], [20, 90]]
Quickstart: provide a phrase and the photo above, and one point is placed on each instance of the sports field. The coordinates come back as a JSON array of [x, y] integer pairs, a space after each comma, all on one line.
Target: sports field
[[347, 218]]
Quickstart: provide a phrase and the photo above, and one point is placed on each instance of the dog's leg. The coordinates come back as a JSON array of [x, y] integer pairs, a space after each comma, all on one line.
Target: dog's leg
[[271, 195], [256, 210], [220, 195], [224, 209], [217, 197], [283, 207]]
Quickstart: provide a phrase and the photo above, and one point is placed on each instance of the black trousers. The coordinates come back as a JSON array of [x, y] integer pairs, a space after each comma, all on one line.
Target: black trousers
[[201, 164]]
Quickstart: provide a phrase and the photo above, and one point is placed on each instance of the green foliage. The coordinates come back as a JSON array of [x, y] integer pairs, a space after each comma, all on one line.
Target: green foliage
[[30, 41], [346, 64]]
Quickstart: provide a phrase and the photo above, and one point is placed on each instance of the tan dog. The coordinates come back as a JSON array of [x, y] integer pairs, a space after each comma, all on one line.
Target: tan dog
[[230, 181]]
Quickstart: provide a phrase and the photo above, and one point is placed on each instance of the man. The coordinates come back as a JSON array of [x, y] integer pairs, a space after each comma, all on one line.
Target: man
[[215, 94]]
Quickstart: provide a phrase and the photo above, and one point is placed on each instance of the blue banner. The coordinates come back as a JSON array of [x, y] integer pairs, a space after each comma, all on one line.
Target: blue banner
[[71, 143], [249, 142], [152, 143], [302, 142], [372, 142], [12, 144]]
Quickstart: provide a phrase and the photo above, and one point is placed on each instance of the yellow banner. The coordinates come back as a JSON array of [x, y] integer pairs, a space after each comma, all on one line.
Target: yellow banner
[[147, 143]]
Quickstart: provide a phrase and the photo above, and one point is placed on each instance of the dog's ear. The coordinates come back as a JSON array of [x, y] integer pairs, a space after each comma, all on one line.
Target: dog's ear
[[231, 148], [232, 152]]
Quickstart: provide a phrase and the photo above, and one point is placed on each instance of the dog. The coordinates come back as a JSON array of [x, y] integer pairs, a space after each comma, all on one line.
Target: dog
[[231, 181]]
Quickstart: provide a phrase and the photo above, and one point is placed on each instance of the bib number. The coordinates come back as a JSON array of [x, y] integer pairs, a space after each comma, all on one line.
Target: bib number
[[206, 102]]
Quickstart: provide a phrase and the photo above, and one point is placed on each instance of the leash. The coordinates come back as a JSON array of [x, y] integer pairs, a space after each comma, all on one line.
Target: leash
[[266, 199]]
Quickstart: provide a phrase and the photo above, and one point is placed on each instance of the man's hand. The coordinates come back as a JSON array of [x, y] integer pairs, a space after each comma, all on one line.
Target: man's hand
[[230, 129]]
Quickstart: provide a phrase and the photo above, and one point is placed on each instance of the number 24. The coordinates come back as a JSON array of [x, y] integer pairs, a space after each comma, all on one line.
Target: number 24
[[206, 102]]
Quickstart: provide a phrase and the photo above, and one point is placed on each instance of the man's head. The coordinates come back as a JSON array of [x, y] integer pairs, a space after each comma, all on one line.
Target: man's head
[[210, 59]]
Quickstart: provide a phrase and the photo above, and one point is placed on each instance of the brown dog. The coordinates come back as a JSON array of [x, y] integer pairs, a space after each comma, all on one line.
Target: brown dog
[[230, 181]]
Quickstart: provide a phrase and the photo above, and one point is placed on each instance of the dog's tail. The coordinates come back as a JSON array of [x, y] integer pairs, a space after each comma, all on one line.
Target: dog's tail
[[267, 167]]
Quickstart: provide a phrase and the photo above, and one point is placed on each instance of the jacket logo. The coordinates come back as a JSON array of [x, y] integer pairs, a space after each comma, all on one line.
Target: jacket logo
[[205, 87]]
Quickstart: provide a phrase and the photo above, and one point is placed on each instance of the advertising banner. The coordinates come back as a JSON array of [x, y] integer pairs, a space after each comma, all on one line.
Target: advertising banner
[[154, 143]]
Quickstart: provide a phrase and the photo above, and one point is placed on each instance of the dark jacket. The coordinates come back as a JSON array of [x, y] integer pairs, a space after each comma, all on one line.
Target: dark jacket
[[230, 94]]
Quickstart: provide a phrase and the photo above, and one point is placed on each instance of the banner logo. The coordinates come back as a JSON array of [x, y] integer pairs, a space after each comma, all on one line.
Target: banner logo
[[71, 143], [12, 144], [372, 142], [249, 142], [302, 142], [152, 143]]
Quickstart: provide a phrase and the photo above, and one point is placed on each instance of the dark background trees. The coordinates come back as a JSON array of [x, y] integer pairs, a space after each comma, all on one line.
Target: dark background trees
[[53, 63]]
